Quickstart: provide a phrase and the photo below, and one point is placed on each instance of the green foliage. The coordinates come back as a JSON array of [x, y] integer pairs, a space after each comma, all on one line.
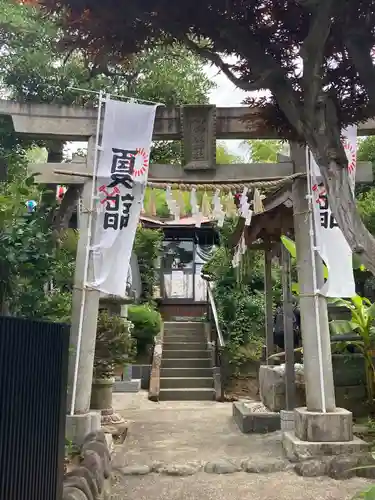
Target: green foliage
[[368, 494], [212, 29], [218, 265], [239, 298], [114, 345], [265, 151], [366, 192], [365, 152], [240, 305], [224, 157], [147, 247], [34, 68], [36, 277], [366, 207], [362, 322], [29, 261], [147, 324]]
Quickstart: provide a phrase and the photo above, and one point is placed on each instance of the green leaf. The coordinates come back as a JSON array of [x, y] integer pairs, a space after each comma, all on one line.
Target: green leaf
[[30, 181], [371, 311], [367, 494], [289, 245], [357, 301], [342, 326], [23, 191], [295, 288], [341, 302], [357, 264]]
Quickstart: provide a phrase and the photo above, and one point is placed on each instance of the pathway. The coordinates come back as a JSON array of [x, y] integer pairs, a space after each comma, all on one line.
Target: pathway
[[173, 448]]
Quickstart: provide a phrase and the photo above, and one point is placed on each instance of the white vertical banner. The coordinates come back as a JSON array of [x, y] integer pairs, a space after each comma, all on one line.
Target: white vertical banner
[[121, 183], [330, 241]]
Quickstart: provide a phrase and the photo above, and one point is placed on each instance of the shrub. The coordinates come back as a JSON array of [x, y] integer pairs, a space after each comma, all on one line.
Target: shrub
[[114, 344], [147, 324], [147, 247]]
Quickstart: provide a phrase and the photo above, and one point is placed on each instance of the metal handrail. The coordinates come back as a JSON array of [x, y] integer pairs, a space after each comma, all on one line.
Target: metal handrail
[[215, 315], [217, 344]]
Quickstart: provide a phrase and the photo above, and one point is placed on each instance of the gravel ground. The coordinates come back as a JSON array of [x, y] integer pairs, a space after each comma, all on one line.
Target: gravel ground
[[194, 451]]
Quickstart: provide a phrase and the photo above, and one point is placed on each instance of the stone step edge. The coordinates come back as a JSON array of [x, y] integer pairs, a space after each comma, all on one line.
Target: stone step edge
[[186, 359], [185, 378], [337, 467], [189, 389], [224, 466]]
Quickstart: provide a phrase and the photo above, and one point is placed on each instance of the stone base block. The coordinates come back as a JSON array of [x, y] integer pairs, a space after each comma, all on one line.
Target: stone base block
[[78, 426], [287, 420], [252, 422], [127, 386], [272, 387], [327, 427], [297, 450]]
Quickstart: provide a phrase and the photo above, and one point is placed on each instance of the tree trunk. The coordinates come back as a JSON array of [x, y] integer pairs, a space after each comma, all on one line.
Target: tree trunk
[[322, 132], [61, 216], [343, 206]]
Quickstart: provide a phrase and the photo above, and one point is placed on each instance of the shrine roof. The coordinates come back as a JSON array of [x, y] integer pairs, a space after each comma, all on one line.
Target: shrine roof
[[269, 225]]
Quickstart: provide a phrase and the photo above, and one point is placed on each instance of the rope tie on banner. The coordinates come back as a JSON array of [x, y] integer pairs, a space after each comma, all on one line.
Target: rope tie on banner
[[224, 186]]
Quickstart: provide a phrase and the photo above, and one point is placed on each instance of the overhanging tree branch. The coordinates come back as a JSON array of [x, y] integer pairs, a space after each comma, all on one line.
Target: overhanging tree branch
[[360, 55], [312, 51], [214, 58]]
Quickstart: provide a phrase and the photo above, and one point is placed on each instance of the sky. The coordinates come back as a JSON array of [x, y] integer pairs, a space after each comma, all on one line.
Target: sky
[[224, 95]]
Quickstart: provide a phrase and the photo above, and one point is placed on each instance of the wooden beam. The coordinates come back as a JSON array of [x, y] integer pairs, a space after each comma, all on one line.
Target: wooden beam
[[288, 330], [73, 123], [268, 293]]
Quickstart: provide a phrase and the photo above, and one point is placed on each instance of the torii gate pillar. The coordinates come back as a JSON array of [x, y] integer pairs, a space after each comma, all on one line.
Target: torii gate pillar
[[320, 428], [83, 421]]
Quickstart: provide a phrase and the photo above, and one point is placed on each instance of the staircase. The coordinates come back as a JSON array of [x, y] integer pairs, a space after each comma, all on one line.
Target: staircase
[[186, 367]]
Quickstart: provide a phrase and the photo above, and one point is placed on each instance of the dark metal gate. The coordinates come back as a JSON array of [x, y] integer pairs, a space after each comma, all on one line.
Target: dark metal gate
[[33, 380]]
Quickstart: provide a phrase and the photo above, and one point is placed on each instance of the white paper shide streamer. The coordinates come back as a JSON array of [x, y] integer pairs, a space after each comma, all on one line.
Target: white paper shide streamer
[[121, 183], [195, 210], [330, 241], [218, 212]]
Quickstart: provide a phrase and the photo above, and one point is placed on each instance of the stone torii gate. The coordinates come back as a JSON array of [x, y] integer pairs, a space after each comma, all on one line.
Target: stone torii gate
[[197, 127]]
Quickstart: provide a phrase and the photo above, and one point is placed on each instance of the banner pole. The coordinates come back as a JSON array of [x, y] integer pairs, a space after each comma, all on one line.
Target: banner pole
[[87, 255], [315, 284]]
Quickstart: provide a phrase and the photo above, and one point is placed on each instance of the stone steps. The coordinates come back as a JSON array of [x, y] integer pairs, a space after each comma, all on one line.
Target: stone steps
[[182, 353], [186, 363], [187, 394], [184, 325], [189, 346], [186, 383], [185, 339], [186, 367], [185, 372]]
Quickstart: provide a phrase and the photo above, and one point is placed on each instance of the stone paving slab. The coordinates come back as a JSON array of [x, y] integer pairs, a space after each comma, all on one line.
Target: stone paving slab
[[239, 486], [174, 433]]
